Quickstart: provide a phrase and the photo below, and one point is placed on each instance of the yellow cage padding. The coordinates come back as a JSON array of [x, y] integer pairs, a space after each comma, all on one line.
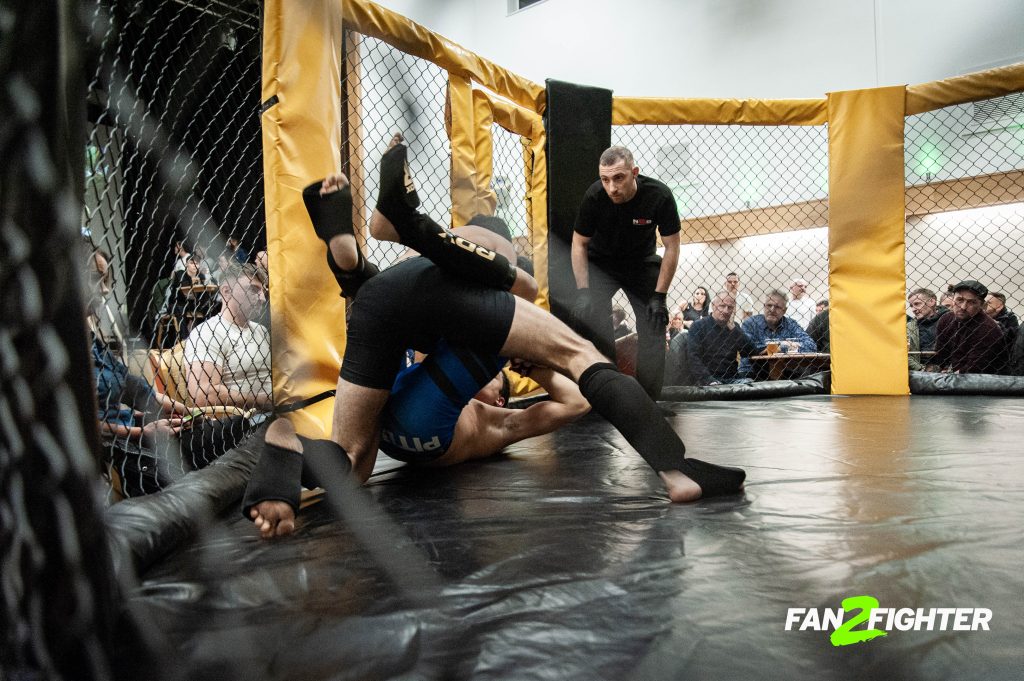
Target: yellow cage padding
[[867, 278], [301, 142], [300, 137]]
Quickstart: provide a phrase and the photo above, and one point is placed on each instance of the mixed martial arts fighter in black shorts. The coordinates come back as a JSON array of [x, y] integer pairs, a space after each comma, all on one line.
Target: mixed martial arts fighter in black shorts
[[457, 295]]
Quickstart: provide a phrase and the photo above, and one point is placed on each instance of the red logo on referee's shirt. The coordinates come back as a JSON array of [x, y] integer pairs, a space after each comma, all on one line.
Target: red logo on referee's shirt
[[640, 222]]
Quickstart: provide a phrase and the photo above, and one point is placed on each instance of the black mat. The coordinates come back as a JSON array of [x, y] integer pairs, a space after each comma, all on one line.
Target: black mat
[[564, 560]]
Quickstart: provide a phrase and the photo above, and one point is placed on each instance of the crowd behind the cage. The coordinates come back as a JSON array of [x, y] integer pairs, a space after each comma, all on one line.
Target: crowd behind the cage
[[204, 382], [979, 334], [201, 383]]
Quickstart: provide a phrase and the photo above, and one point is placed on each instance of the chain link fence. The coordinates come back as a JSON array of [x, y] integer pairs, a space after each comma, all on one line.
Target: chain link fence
[[753, 201], [965, 187], [174, 229], [386, 91], [508, 183]]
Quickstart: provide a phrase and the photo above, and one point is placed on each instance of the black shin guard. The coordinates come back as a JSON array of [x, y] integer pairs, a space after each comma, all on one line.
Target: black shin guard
[[331, 215], [622, 401], [320, 460], [398, 201], [276, 477]]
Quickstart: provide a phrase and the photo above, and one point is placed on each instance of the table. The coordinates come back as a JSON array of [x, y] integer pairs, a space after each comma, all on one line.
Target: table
[[799, 363]]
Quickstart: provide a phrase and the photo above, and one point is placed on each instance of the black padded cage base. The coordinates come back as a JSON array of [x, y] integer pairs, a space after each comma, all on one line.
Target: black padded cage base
[[563, 559]]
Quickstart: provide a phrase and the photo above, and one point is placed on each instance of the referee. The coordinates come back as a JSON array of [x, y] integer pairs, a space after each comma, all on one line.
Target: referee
[[613, 247]]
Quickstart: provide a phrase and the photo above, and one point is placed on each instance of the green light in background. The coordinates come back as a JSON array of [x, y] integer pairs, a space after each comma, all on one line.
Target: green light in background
[[929, 160], [749, 182]]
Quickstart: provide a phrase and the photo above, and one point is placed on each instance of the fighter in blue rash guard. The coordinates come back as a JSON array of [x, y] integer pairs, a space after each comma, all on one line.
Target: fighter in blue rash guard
[[418, 422]]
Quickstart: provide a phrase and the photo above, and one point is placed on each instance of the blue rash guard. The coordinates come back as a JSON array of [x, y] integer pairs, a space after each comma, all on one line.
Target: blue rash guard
[[418, 422]]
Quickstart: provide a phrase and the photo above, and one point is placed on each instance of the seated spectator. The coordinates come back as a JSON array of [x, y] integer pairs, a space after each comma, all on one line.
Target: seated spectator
[[968, 340], [913, 346], [237, 251], [698, 308], [801, 306], [1016, 367], [818, 330], [927, 311], [619, 325], [675, 325], [135, 422], [946, 299], [995, 307], [774, 325], [187, 303], [821, 306], [714, 342], [228, 355]]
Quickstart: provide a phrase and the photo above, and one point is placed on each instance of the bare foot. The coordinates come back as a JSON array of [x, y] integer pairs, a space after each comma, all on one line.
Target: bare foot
[[273, 519], [276, 518], [681, 489]]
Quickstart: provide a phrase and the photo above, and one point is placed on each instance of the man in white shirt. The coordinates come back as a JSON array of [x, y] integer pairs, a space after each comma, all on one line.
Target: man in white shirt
[[801, 305], [228, 355], [744, 301]]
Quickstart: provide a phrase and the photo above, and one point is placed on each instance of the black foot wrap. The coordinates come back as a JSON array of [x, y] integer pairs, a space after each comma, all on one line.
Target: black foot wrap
[[321, 459], [397, 198], [275, 478], [398, 201], [714, 480], [331, 216]]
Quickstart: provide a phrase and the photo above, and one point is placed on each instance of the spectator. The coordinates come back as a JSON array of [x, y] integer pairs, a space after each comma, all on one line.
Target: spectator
[[744, 301], [189, 303], [181, 256], [675, 325], [614, 247], [801, 305], [698, 308], [821, 306], [968, 340], [619, 326], [774, 325], [818, 330], [927, 312], [237, 251], [714, 342], [1016, 367], [228, 355], [206, 266], [995, 307], [946, 300]]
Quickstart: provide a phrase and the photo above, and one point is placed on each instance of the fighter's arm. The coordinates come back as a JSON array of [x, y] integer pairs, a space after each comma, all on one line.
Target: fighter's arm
[[483, 430]]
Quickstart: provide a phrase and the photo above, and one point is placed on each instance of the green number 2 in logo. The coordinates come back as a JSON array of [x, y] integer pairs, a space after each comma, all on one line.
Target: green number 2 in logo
[[844, 635]]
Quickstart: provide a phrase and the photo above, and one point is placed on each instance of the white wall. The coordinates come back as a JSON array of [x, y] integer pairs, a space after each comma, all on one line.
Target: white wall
[[732, 48]]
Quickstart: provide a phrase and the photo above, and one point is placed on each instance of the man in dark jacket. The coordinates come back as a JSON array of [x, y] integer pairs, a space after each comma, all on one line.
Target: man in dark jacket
[[968, 340]]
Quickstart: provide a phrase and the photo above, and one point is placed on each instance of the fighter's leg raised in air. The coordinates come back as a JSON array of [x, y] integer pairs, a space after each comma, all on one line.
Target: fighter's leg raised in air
[[396, 218], [538, 336], [329, 204]]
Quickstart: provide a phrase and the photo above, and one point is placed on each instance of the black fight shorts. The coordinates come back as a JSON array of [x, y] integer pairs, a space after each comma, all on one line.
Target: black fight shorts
[[413, 305]]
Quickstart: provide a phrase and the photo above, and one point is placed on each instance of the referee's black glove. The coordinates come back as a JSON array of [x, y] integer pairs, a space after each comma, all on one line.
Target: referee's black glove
[[657, 310], [582, 308]]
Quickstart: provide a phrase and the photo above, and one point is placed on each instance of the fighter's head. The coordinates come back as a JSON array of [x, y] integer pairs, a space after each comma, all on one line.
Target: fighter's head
[[497, 392]]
